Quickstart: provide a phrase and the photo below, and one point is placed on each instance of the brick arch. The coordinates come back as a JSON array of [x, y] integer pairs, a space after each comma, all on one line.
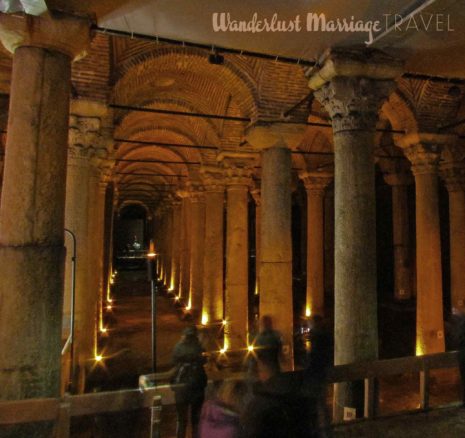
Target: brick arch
[[146, 63], [399, 112]]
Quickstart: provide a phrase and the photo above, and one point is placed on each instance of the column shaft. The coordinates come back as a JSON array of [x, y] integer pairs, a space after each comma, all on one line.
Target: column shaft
[[315, 253], [236, 296], [185, 248], [213, 256], [176, 242], [430, 324], [31, 224], [197, 254], [401, 237], [276, 245], [457, 247]]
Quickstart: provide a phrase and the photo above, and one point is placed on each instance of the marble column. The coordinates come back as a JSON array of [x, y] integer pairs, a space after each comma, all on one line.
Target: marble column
[[176, 251], [453, 173], [423, 151], [352, 87], [399, 183], [315, 184], [197, 200], [238, 169], [185, 248], [275, 227], [256, 195], [168, 243], [33, 204]]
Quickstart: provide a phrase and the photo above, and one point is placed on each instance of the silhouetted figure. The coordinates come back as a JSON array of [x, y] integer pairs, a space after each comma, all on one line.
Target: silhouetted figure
[[189, 360], [221, 416], [278, 406], [319, 359]]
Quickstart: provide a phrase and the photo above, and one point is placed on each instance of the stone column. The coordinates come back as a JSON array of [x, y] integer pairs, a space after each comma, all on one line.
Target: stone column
[[197, 200], [256, 194], [315, 185], [32, 208], [168, 243], [185, 248], [238, 169], [453, 174], [275, 228], [423, 151], [352, 88], [1, 173], [401, 234], [176, 243], [212, 306]]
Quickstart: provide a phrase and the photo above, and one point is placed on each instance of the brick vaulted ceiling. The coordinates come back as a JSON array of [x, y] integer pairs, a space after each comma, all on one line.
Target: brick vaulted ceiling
[[139, 73]]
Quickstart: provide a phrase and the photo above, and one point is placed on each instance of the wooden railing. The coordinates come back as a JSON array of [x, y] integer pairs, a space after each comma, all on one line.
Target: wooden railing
[[61, 410]]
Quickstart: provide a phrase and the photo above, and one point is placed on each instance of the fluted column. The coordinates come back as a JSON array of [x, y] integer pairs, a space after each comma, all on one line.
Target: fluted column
[[399, 183], [212, 306], [453, 173], [423, 151], [352, 88], [197, 200], [32, 211], [315, 185], [238, 171]]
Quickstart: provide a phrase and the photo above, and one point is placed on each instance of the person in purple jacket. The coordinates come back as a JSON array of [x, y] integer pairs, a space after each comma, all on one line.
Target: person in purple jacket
[[220, 416]]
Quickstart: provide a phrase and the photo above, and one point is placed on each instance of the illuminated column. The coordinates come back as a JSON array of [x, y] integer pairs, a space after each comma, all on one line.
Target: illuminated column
[[453, 173], [168, 243], [352, 89], [212, 307], [399, 183], [315, 185], [33, 204], [238, 169], [423, 151], [274, 142], [176, 245], [185, 247], [256, 194], [197, 200]]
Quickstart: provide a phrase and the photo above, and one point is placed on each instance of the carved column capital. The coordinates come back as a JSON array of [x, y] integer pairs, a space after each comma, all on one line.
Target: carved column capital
[[316, 182], [352, 84], [424, 150], [212, 178], [238, 168], [66, 34]]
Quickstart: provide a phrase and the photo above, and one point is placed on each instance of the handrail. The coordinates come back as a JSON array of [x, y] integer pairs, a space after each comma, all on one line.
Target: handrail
[[47, 409]]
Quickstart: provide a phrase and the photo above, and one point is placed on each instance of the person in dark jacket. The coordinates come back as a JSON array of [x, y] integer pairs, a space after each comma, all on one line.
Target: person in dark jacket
[[189, 381], [278, 406]]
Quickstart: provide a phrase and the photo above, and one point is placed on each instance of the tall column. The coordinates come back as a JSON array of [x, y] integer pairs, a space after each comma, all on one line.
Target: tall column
[[197, 252], [168, 243], [315, 185], [352, 89], [275, 228], [423, 151], [176, 253], [1, 173], [32, 211], [185, 247], [256, 194], [212, 306], [453, 174], [238, 169], [399, 183]]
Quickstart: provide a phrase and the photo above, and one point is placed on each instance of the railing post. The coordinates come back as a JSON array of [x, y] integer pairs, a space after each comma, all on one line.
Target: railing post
[[424, 387], [155, 419], [371, 399], [63, 423]]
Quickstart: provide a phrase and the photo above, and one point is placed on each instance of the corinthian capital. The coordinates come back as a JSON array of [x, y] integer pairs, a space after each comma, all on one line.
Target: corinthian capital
[[238, 167], [316, 182]]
